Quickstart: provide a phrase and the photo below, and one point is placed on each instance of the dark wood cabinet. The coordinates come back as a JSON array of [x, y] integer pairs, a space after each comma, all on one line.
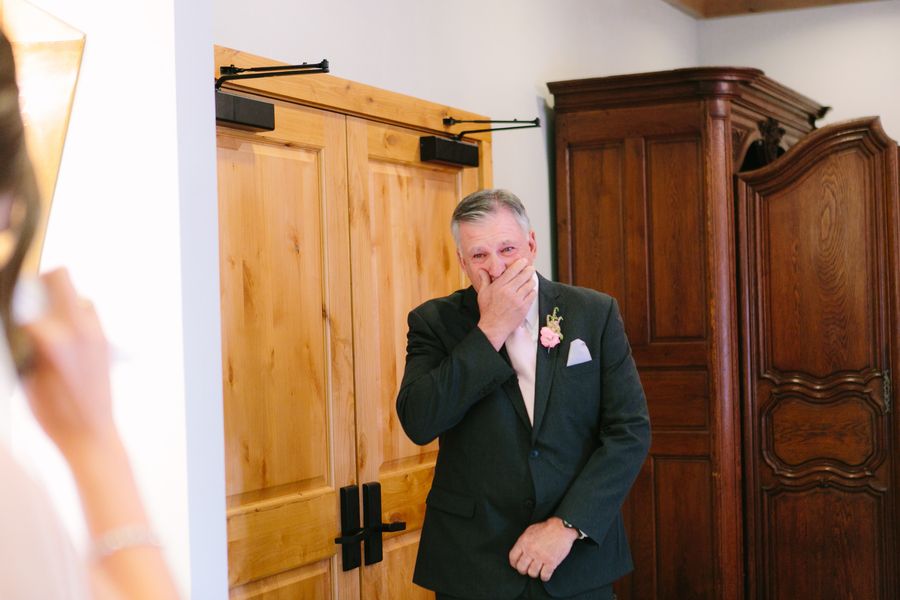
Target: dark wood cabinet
[[764, 350], [818, 272]]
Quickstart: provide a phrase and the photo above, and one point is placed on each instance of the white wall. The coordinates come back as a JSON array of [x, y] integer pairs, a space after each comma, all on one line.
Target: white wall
[[135, 221], [492, 57], [845, 56]]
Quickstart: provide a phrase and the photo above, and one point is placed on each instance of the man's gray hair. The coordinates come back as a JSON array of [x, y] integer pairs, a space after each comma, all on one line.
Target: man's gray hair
[[477, 206]]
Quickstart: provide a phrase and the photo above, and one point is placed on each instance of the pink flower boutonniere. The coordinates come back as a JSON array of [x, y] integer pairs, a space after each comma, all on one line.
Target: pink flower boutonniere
[[551, 334]]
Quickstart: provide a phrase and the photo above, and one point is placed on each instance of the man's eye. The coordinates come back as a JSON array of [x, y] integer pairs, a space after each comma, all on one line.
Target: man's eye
[[509, 249], [478, 256]]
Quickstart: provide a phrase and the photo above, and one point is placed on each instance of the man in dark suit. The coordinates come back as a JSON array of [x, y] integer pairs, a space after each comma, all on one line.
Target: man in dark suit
[[543, 426]]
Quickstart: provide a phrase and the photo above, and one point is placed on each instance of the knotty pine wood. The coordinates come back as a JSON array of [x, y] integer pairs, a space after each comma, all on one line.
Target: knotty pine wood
[[287, 349], [402, 256], [377, 237]]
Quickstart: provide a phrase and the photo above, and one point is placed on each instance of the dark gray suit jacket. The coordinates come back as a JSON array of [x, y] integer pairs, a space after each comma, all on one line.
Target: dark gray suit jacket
[[495, 473]]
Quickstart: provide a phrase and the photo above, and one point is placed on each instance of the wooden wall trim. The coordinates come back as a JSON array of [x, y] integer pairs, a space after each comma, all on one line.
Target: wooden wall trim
[[332, 93], [707, 9]]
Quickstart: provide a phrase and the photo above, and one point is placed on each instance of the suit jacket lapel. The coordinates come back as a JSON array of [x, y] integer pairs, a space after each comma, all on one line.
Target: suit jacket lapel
[[511, 385], [545, 367]]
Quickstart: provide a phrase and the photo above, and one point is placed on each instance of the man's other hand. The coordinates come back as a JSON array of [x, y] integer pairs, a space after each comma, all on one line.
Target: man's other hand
[[541, 548]]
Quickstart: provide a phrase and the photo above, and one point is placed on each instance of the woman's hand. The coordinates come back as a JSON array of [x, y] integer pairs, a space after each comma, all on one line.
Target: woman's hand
[[69, 391], [68, 383]]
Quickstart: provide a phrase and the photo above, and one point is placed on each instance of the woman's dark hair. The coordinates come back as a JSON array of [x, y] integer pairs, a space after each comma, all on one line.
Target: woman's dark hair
[[19, 188]]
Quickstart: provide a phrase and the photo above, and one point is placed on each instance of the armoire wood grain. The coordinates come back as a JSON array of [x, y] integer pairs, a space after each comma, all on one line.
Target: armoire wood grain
[[819, 233], [645, 212]]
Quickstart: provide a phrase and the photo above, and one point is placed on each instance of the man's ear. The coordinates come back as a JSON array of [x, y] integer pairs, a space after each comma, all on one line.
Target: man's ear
[[460, 258], [532, 243]]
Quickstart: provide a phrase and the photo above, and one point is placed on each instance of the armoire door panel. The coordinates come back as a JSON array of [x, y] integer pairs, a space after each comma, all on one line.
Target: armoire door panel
[[825, 542], [607, 231], [288, 396], [641, 531], [671, 354], [815, 267], [598, 202], [680, 443], [403, 254], [647, 253], [822, 290], [684, 535], [841, 434], [677, 399], [676, 239]]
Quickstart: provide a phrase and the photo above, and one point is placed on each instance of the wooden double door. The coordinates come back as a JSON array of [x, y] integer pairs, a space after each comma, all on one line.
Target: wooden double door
[[331, 230]]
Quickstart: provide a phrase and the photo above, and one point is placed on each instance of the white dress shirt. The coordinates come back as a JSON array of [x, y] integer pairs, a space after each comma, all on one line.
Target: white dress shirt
[[521, 345]]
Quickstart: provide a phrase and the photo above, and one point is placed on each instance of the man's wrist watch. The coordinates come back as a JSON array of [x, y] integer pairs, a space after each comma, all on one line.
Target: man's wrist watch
[[567, 525]]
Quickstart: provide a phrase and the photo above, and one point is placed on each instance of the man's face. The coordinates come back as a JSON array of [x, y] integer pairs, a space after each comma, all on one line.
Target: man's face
[[491, 245]]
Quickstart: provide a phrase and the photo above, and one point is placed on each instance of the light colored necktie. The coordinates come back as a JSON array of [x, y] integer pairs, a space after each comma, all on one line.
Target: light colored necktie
[[523, 356]]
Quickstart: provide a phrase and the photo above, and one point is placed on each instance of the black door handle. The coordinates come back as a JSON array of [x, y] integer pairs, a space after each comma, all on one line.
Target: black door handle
[[372, 522], [351, 533]]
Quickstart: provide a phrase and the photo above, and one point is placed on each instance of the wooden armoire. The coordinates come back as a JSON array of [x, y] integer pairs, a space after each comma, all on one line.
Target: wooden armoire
[[756, 261]]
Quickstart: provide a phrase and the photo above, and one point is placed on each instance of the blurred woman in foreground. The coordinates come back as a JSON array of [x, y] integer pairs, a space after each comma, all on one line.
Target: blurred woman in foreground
[[62, 358]]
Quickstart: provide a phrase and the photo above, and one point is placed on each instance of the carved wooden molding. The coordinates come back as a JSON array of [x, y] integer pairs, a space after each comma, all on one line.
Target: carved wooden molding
[[804, 432], [737, 84], [741, 139]]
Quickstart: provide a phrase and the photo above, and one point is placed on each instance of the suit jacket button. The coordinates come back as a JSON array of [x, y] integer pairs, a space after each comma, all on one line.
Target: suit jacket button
[[529, 504], [534, 453]]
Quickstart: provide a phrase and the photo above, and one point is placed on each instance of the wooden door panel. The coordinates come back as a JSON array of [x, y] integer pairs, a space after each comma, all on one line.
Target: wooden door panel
[[820, 486], [286, 352], [402, 552], [842, 528], [598, 196], [675, 240], [403, 254], [816, 255], [314, 582], [685, 523]]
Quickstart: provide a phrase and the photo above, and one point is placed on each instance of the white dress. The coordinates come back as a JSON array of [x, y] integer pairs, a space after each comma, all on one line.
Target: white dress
[[37, 559]]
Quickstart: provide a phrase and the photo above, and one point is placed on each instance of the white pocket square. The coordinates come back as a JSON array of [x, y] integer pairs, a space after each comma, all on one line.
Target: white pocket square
[[578, 353]]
